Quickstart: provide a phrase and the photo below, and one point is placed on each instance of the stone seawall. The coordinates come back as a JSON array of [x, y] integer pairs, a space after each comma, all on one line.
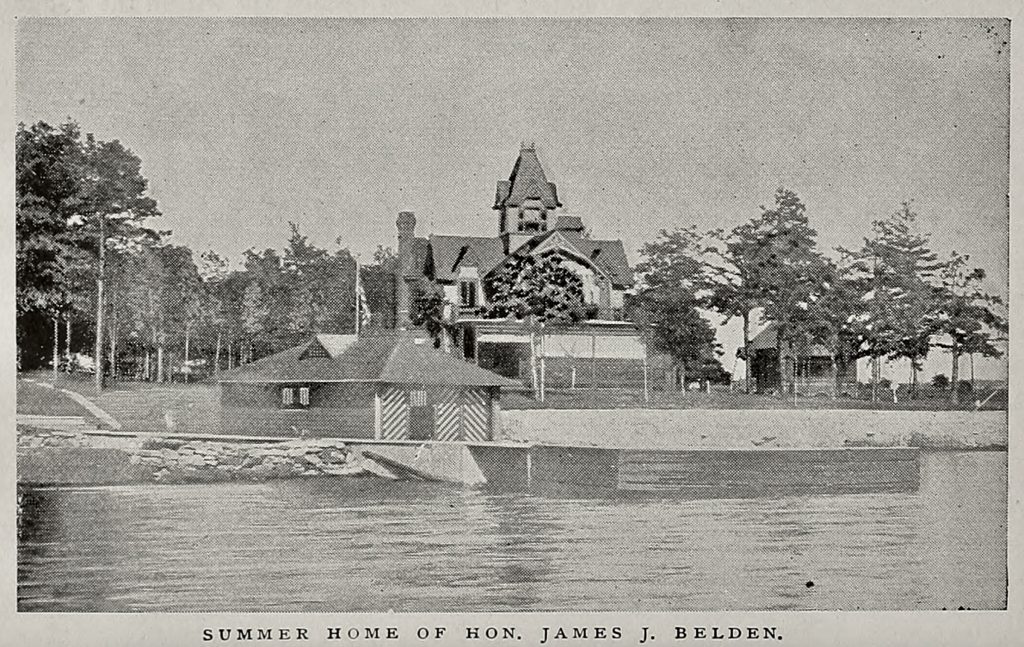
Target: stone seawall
[[745, 428], [65, 458]]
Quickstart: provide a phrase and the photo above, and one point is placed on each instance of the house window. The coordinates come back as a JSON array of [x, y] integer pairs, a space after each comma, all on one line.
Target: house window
[[532, 220], [469, 343], [467, 293]]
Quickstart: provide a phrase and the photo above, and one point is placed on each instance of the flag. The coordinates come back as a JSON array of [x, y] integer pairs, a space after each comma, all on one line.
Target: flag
[[362, 309]]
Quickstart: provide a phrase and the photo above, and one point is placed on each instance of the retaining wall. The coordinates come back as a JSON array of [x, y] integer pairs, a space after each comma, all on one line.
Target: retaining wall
[[742, 428]]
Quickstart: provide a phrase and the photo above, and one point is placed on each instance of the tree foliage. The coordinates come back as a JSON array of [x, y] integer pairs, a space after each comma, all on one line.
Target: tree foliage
[[966, 316], [429, 310], [540, 289], [675, 287]]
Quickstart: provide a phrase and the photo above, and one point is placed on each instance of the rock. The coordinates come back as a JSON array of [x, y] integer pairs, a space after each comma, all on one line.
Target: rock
[[332, 456], [347, 470], [192, 460], [161, 443]]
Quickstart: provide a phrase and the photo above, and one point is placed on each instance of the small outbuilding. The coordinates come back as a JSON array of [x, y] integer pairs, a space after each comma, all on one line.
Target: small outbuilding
[[392, 385], [809, 367]]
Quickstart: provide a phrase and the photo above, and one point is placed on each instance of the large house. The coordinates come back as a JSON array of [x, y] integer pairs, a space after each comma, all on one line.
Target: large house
[[603, 350]]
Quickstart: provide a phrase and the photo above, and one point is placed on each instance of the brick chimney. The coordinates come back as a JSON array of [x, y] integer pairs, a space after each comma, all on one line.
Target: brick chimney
[[406, 232]]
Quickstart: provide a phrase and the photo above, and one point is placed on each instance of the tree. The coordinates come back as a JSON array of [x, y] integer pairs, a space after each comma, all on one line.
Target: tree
[[940, 381], [836, 317], [47, 262], [902, 270], [966, 316], [428, 311], [214, 272], [676, 284], [539, 289], [385, 258], [112, 204], [731, 281], [670, 322], [182, 295], [789, 274]]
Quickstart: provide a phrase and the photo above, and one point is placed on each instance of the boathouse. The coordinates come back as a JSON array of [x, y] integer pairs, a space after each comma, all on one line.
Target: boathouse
[[391, 385], [809, 367]]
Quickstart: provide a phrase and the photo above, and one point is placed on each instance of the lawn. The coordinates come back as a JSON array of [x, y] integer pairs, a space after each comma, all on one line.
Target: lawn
[[723, 399], [35, 399]]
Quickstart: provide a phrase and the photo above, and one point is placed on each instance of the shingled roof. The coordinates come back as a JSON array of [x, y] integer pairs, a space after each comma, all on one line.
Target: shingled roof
[[447, 253], [387, 357], [767, 339], [527, 182], [607, 255]]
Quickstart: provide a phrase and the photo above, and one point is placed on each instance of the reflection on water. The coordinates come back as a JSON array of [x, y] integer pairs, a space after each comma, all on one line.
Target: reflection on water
[[368, 545]]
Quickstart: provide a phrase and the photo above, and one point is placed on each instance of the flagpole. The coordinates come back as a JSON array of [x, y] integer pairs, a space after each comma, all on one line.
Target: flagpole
[[356, 295]]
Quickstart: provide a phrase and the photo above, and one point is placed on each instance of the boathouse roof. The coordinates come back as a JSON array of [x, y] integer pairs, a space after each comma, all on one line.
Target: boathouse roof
[[393, 357]]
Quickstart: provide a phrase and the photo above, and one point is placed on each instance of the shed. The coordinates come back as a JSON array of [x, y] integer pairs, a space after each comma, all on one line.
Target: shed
[[809, 367], [393, 385]]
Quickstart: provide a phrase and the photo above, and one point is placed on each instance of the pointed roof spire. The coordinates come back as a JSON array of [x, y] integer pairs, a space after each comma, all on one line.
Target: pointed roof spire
[[527, 182]]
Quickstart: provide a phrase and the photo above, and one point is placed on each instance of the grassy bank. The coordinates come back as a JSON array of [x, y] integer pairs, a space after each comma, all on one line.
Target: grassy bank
[[723, 399], [739, 429], [38, 400]]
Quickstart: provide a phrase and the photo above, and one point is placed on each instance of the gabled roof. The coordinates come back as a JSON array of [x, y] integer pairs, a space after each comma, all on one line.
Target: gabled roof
[[387, 357], [766, 339], [527, 182], [448, 253], [609, 256], [328, 345]]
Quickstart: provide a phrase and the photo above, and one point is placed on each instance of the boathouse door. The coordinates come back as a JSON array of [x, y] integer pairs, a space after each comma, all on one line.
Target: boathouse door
[[421, 415]]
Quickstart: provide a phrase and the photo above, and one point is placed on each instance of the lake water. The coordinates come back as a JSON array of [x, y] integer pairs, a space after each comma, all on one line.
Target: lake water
[[368, 545]]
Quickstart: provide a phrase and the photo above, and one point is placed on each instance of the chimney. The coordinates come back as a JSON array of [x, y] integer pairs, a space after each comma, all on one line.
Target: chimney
[[405, 273]]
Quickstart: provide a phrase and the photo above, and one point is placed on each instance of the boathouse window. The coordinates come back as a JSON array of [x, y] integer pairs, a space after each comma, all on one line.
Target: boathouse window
[[467, 293], [295, 397], [418, 398]]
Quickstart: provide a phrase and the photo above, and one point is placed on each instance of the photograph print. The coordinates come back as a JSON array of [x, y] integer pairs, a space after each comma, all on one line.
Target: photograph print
[[511, 314]]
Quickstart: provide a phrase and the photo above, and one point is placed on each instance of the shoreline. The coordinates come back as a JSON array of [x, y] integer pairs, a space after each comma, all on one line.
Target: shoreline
[[69, 458]]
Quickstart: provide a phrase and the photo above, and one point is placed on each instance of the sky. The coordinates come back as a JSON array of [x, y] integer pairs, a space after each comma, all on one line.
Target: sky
[[245, 125]]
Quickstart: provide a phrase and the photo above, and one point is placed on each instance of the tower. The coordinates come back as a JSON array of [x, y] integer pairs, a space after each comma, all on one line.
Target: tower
[[526, 202]]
